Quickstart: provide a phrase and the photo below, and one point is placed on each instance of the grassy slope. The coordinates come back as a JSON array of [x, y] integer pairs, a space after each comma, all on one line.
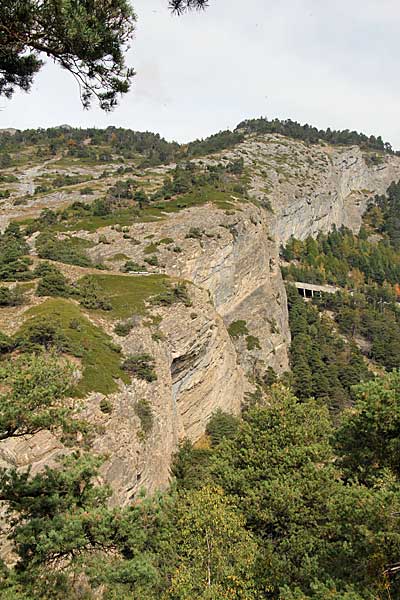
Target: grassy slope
[[129, 294], [100, 359]]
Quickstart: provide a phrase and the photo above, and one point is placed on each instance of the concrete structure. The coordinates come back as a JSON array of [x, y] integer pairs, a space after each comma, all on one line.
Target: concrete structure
[[309, 290]]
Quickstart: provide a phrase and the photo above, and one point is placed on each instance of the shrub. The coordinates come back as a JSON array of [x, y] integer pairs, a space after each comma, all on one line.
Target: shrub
[[273, 325], [178, 293], [100, 208], [195, 233], [157, 336], [43, 268], [106, 406], [145, 413], [270, 377], [221, 425], [151, 248], [266, 203], [67, 251], [181, 294], [123, 328], [88, 191], [6, 343], [13, 262], [53, 283], [75, 324], [11, 296], [8, 179], [152, 261], [252, 342], [237, 328], [92, 296], [43, 333], [131, 266], [140, 366]]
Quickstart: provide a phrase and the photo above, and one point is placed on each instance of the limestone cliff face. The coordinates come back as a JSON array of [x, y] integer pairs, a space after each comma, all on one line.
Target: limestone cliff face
[[312, 188], [231, 255], [197, 373], [231, 265], [230, 259]]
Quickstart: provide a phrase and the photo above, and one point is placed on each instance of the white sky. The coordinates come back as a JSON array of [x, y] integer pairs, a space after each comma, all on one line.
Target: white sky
[[331, 63]]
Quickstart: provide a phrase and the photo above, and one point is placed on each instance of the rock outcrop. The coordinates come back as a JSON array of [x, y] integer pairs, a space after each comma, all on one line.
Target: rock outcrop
[[231, 255], [229, 259], [197, 373], [310, 188]]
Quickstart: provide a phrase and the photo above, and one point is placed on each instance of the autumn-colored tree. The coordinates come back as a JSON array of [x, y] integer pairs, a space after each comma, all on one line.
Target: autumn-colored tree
[[216, 555]]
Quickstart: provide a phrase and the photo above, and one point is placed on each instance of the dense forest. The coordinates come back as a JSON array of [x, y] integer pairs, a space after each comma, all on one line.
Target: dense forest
[[367, 268], [275, 505]]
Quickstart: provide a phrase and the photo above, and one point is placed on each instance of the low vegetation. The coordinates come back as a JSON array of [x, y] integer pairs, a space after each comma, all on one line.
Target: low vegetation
[[140, 366], [67, 330]]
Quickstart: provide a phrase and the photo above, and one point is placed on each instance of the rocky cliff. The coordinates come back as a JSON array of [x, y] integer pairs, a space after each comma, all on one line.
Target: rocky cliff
[[310, 188], [231, 255], [207, 353]]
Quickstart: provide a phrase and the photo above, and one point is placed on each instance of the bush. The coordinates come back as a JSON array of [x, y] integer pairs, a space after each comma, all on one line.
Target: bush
[[43, 268], [100, 208], [178, 293], [252, 342], [195, 233], [270, 377], [106, 406], [151, 248], [48, 246], [6, 343], [14, 265], [140, 366], [181, 294], [53, 283], [152, 261], [75, 324], [237, 328], [11, 296], [92, 296], [123, 328], [144, 411], [131, 266], [43, 333], [88, 191]]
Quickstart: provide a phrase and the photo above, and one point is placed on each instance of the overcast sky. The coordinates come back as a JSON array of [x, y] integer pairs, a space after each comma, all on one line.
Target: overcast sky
[[329, 63]]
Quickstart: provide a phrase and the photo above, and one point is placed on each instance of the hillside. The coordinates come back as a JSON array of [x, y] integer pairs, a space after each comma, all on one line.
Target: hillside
[[216, 229], [156, 270]]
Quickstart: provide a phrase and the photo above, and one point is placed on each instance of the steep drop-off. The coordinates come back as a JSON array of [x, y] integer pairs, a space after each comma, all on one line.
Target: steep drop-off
[[230, 261]]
